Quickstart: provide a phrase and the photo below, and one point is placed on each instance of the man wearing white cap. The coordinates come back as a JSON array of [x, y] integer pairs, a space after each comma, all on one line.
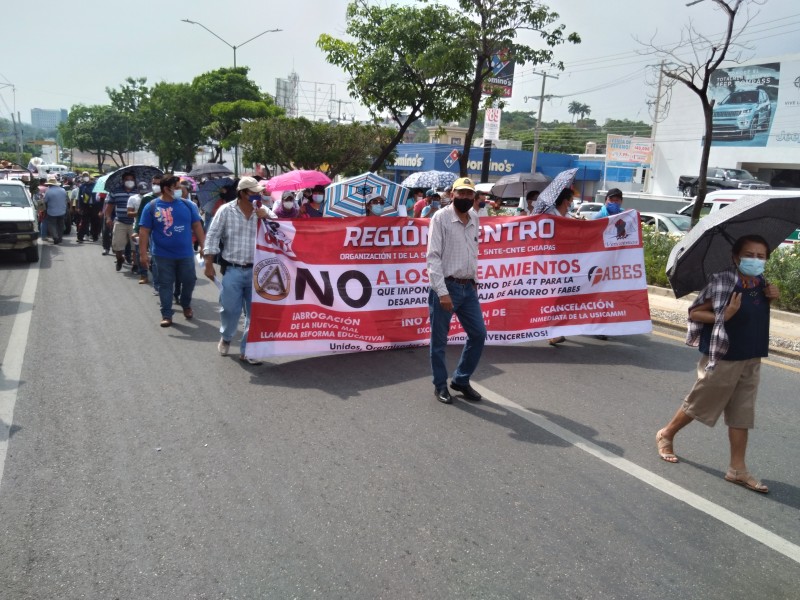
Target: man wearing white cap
[[235, 225], [56, 204], [453, 271]]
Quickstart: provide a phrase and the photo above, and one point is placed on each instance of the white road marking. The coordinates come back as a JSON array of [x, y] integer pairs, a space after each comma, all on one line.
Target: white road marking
[[724, 515], [12, 362]]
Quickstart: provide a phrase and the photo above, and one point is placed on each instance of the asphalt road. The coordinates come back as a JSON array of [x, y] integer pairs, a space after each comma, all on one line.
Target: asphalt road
[[141, 464]]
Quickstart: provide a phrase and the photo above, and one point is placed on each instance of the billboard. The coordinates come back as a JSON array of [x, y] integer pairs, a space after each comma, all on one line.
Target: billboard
[[502, 77], [756, 105], [627, 151]]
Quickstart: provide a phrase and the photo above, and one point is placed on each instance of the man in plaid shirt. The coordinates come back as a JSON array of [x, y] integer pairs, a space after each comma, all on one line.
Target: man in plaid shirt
[[235, 224], [729, 322]]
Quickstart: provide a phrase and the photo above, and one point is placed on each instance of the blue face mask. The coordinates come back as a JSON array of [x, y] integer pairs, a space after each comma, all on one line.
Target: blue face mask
[[254, 197], [377, 209], [752, 267], [177, 193], [435, 204], [481, 204], [613, 208]]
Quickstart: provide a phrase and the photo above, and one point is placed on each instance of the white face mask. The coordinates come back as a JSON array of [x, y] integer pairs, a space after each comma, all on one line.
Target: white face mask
[[317, 198], [156, 188], [288, 204], [84, 179], [129, 185]]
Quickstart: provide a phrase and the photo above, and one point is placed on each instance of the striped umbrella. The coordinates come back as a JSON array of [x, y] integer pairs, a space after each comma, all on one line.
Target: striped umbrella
[[430, 179], [547, 198], [347, 198]]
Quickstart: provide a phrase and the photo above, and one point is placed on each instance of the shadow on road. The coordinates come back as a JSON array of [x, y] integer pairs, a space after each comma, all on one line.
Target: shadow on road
[[6, 432]]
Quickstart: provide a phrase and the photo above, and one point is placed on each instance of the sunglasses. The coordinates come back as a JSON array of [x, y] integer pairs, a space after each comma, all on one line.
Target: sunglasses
[[377, 201]]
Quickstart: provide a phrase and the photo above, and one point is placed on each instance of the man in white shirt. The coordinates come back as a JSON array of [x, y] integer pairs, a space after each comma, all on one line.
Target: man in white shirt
[[453, 272]]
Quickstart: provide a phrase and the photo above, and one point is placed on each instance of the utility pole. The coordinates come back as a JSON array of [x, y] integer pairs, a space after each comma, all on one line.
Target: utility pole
[[544, 77], [656, 116]]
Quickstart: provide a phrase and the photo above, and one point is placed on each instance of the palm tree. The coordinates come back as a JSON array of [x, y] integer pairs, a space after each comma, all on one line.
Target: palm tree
[[584, 110], [575, 109]]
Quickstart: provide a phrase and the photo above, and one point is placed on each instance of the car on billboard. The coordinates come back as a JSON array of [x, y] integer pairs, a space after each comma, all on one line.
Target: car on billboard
[[742, 114]]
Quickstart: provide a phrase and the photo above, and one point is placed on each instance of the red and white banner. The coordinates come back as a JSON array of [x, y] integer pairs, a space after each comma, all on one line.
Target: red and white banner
[[356, 284]]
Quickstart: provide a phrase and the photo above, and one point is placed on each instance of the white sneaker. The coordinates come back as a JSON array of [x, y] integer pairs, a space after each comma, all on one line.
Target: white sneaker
[[250, 361], [223, 347]]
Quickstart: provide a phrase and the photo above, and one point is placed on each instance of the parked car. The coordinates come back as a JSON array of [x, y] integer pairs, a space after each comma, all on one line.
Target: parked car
[[19, 228], [588, 210], [670, 223], [742, 114], [721, 178]]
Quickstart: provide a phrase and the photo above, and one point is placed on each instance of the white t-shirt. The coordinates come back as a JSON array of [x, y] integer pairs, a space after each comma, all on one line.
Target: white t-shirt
[[134, 200]]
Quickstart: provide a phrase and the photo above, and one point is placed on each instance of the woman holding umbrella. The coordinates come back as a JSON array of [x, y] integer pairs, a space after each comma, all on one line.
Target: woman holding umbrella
[[729, 321]]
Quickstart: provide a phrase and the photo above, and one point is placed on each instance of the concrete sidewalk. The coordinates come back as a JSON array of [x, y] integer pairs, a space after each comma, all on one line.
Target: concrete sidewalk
[[668, 311]]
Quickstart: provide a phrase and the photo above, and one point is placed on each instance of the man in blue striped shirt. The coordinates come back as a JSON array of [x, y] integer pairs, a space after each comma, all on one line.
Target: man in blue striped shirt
[[117, 212]]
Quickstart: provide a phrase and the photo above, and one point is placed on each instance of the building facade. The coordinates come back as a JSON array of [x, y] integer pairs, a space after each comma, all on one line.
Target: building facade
[[47, 119]]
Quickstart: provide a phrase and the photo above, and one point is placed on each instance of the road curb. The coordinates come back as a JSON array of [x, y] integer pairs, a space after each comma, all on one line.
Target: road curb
[[784, 352]]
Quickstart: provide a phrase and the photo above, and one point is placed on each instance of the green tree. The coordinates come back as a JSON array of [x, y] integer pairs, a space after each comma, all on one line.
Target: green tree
[[490, 26], [574, 109], [172, 122], [403, 60], [346, 149], [102, 130], [228, 118]]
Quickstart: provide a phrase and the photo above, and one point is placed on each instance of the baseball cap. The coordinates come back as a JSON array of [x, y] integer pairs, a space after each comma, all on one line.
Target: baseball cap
[[431, 192], [464, 183], [287, 195], [614, 192], [249, 183]]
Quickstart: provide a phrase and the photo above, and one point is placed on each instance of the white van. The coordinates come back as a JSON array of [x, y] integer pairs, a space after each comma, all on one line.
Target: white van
[[719, 199], [45, 170]]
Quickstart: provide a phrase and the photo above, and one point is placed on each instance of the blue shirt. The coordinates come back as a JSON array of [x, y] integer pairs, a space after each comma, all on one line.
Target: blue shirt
[[55, 199], [120, 202], [170, 225]]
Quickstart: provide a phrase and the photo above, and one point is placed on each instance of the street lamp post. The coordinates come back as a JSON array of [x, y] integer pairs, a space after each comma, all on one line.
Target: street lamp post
[[234, 48]]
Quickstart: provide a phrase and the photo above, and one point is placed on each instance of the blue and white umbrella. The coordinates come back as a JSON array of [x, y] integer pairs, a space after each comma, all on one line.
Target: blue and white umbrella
[[547, 198], [430, 179], [348, 198]]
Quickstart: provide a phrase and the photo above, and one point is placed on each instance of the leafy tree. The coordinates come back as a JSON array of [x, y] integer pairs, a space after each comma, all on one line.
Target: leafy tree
[[173, 120], [490, 26], [574, 109], [228, 117], [627, 127], [347, 149], [102, 130], [131, 95], [707, 54], [405, 61]]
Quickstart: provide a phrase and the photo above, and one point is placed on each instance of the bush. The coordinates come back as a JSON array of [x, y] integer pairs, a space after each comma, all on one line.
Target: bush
[[783, 267], [657, 247]]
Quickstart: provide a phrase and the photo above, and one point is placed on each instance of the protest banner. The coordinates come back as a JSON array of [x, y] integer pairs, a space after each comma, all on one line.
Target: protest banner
[[360, 284]]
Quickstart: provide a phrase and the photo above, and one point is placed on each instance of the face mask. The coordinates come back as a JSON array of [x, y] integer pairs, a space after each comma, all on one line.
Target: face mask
[[377, 209], [254, 197], [481, 204], [156, 188], [435, 204], [84, 179], [463, 204], [129, 185], [613, 208], [317, 198], [177, 193], [752, 267], [288, 204]]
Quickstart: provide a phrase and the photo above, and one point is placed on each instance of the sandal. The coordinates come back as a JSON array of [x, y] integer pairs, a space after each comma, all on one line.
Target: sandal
[[665, 450], [744, 478], [188, 313], [557, 341]]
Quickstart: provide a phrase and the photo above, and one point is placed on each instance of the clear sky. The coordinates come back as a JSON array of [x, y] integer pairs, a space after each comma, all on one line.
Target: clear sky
[[60, 53]]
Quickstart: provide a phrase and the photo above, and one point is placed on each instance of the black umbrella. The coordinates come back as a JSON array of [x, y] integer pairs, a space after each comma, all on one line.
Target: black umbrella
[[210, 170], [706, 249], [140, 172], [519, 184]]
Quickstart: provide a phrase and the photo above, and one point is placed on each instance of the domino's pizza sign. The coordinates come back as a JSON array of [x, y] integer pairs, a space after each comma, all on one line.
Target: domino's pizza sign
[[451, 158]]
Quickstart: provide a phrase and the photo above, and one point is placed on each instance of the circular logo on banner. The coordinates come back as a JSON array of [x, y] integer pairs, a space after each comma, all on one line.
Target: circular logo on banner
[[271, 279]]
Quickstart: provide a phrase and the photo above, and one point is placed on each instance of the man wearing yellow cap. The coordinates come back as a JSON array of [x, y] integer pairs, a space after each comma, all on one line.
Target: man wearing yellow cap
[[453, 272]]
